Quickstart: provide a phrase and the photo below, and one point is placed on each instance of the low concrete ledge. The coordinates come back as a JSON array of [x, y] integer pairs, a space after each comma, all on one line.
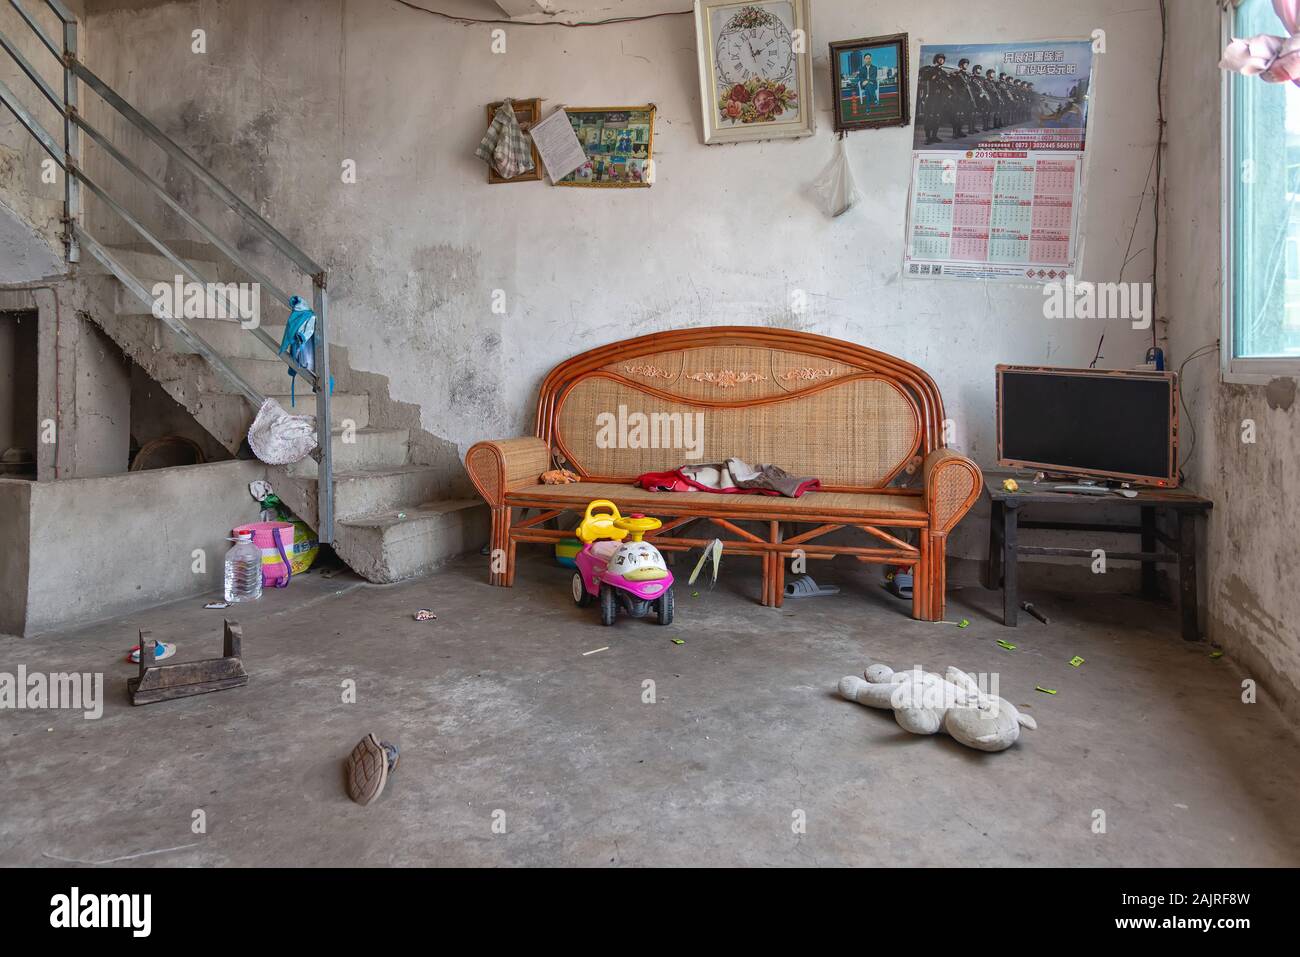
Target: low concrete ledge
[[79, 550]]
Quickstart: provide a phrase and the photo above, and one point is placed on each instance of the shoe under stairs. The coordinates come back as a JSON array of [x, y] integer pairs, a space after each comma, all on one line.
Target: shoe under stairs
[[393, 517]]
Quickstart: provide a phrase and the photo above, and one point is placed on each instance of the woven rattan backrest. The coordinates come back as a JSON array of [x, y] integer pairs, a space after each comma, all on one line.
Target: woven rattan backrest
[[816, 407]]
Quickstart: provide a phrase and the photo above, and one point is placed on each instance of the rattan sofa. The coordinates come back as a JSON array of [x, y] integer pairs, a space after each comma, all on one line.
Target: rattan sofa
[[862, 422]]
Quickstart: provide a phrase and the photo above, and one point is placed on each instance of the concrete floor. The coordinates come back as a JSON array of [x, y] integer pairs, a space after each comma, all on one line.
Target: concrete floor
[[496, 708]]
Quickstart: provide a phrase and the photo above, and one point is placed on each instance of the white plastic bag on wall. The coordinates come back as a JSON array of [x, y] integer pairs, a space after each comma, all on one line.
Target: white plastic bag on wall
[[835, 189], [278, 438]]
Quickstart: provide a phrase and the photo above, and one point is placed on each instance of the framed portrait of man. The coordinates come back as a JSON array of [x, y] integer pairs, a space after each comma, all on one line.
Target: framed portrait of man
[[869, 80]]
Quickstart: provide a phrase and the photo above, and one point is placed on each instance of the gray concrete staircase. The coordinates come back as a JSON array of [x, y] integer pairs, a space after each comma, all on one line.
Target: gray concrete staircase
[[394, 518]]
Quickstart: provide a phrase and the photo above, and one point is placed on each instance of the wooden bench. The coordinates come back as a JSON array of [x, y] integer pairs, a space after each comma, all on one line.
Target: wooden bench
[[856, 419]]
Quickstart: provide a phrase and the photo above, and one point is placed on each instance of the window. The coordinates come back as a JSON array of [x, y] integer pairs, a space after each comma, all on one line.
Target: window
[[1262, 191]]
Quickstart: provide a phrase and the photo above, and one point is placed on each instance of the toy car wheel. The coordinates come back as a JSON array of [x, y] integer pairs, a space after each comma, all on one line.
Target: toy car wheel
[[664, 607], [581, 597], [608, 605]]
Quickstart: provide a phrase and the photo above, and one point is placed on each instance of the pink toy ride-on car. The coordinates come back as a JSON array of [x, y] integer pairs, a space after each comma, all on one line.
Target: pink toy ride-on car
[[630, 575]]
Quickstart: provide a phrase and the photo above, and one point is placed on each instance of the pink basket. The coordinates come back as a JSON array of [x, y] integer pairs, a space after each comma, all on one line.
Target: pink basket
[[275, 573]]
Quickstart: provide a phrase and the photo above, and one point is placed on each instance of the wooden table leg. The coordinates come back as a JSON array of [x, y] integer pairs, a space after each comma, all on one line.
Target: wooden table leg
[[1010, 598], [778, 534], [1149, 589], [1187, 598], [993, 570]]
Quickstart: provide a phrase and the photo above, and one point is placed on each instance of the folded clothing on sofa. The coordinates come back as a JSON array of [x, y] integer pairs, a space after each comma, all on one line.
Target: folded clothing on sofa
[[733, 476]]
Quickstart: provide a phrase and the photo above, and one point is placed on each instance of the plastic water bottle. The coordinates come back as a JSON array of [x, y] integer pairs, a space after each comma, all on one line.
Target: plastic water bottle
[[244, 570]]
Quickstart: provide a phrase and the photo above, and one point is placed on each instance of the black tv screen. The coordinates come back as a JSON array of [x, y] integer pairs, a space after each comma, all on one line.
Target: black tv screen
[[1120, 425]]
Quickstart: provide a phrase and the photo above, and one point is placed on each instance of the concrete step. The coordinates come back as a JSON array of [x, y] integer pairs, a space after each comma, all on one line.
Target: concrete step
[[363, 491], [221, 309], [345, 407], [150, 266], [367, 448], [197, 249], [268, 376], [391, 546], [391, 487], [228, 416], [226, 337]]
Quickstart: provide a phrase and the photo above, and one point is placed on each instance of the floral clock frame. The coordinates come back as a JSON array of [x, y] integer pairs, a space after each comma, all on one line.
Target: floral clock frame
[[755, 63]]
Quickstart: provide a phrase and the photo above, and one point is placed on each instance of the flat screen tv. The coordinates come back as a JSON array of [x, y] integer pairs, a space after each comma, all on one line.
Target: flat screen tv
[[1089, 422]]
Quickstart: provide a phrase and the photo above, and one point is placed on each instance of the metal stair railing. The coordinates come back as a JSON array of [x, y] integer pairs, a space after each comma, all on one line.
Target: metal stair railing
[[68, 156]]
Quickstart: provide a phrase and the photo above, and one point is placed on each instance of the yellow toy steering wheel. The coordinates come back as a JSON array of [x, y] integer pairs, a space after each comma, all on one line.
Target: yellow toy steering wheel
[[638, 525], [604, 524]]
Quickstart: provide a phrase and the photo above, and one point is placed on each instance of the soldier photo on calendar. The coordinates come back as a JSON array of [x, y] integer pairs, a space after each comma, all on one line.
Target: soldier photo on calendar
[[1007, 96]]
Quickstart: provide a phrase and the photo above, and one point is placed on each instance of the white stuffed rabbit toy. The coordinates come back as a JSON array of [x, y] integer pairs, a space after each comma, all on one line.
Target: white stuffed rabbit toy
[[926, 703]]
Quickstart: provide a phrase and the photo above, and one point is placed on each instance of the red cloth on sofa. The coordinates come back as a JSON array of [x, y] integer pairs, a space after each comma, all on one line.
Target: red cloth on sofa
[[678, 480]]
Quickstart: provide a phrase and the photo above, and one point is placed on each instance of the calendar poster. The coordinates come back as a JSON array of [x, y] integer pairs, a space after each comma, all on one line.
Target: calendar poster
[[998, 215], [997, 163], [1027, 95]]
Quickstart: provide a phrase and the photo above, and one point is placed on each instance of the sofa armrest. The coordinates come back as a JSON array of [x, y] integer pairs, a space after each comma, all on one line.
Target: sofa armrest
[[502, 466], [952, 482]]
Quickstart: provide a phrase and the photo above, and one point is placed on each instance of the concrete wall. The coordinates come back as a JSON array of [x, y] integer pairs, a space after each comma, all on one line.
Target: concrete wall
[[1252, 559], [106, 546], [287, 91], [30, 207], [15, 527], [155, 414], [101, 376], [83, 384], [26, 253]]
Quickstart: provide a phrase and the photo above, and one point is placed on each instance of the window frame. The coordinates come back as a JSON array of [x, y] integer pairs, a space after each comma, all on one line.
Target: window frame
[[1234, 368]]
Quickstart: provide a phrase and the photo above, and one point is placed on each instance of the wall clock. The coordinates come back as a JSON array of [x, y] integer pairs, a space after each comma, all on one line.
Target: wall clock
[[755, 69]]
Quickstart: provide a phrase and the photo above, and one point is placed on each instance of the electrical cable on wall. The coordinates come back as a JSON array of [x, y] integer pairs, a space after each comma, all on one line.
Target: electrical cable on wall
[[544, 23], [1204, 350], [1159, 161], [58, 382], [1156, 167], [1096, 358]]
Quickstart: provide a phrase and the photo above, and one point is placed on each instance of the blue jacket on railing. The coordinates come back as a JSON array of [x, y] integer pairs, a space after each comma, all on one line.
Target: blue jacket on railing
[[299, 332]]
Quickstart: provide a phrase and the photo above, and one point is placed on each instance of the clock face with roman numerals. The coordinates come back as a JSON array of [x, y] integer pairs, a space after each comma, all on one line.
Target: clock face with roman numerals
[[764, 51], [755, 69]]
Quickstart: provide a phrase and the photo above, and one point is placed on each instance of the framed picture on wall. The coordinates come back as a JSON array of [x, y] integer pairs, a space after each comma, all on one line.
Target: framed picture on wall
[[869, 81], [755, 64], [527, 112], [618, 142]]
